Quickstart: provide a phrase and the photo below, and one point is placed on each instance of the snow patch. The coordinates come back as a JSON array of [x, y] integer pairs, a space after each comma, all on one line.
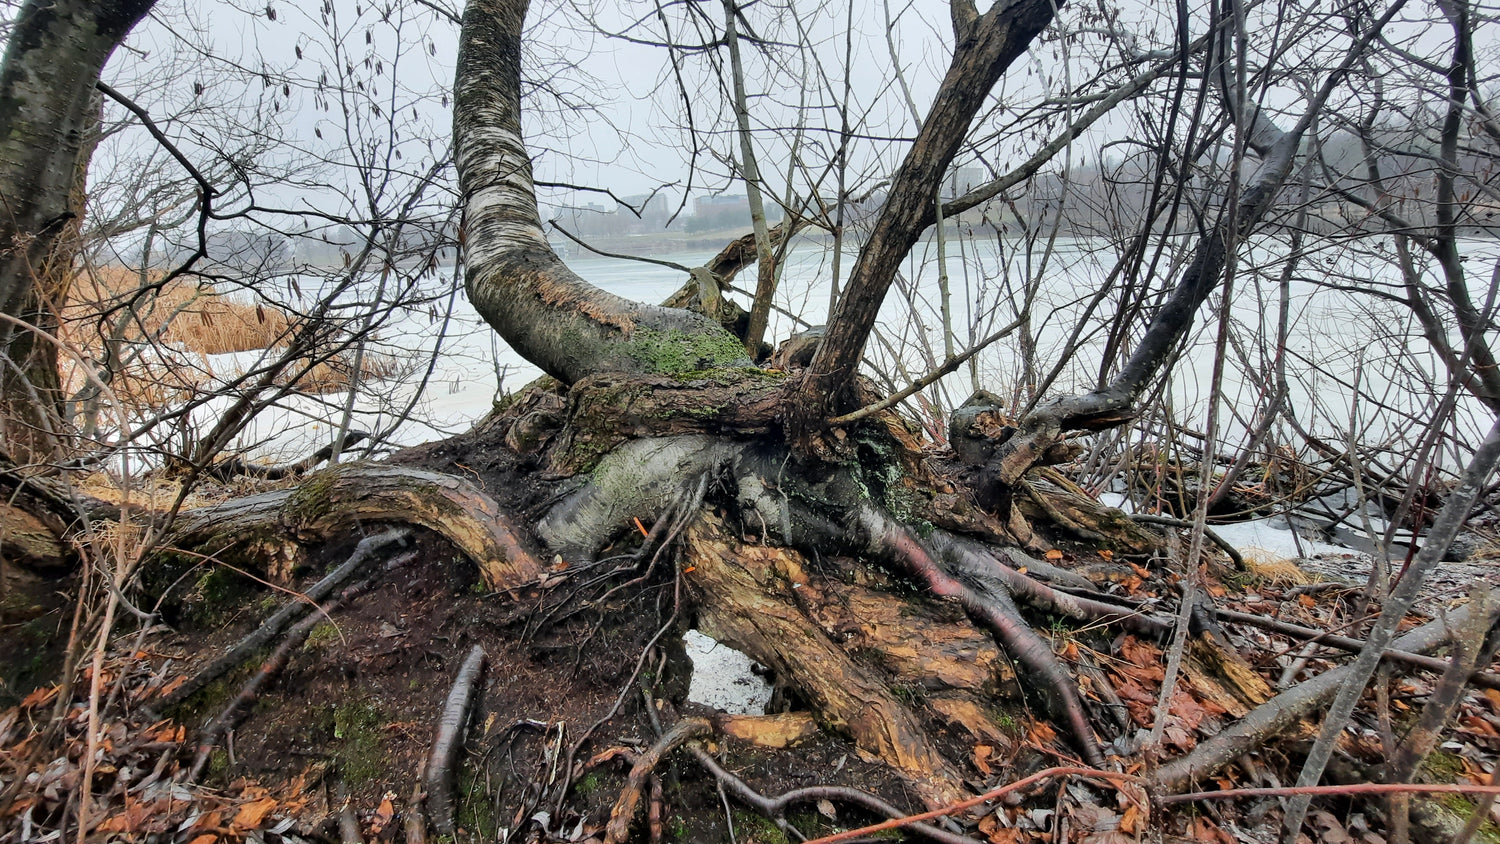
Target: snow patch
[[723, 677], [1272, 539]]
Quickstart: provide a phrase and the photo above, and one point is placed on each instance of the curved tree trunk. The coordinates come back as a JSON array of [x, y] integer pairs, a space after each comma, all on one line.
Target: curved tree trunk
[[49, 117], [548, 314]]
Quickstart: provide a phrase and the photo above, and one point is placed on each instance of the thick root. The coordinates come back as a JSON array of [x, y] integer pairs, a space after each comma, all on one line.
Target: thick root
[[270, 529], [744, 593]]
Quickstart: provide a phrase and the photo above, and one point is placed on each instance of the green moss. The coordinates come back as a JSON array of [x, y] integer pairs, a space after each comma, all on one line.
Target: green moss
[[358, 746], [587, 785], [216, 594], [475, 809], [752, 826], [909, 694], [677, 353], [1462, 809], [320, 636], [314, 498], [218, 764], [1442, 766]]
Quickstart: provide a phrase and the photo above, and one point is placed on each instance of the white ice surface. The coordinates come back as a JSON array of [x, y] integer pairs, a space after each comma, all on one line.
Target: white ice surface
[[723, 679], [1273, 538]]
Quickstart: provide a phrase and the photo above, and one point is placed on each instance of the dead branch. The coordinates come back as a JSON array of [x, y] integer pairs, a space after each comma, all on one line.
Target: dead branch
[[1317, 790], [231, 714], [1232, 552], [1283, 712], [992, 794], [775, 807], [629, 801], [283, 618], [229, 468], [1345, 643], [414, 820], [441, 773]]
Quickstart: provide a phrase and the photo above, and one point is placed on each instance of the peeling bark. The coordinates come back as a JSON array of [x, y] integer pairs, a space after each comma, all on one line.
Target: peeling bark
[[553, 318], [744, 601], [271, 529]]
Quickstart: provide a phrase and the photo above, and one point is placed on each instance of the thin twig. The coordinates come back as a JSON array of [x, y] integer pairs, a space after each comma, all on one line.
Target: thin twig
[[273, 626], [999, 791], [629, 801]]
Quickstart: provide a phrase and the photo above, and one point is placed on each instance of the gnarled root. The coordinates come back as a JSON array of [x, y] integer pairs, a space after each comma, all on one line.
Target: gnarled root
[[993, 608], [743, 597], [271, 528]]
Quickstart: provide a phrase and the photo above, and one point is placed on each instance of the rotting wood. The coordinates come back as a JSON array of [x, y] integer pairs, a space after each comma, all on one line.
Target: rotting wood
[[442, 774], [775, 731], [327, 502], [743, 601]]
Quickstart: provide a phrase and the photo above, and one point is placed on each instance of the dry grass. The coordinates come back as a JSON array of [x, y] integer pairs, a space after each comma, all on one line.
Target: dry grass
[[200, 321], [185, 325], [1275, 570], [154, 492]]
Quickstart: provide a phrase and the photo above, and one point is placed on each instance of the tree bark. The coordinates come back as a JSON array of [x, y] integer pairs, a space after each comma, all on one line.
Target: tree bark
[[553, 318], [271, 528], [49, 119], [985, 48]]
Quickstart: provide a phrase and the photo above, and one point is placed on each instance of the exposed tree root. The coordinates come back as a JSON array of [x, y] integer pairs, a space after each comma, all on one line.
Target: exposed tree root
[[274, 526], [994, 609], [272, 627], [743, 601], [623, 814], [442, 764]]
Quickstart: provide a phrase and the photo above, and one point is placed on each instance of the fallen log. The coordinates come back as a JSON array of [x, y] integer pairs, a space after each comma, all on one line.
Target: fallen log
[[232, 467], [1279, 714]]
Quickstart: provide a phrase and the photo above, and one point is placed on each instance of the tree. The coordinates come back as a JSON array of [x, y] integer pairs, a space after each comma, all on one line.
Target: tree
[[50, 117], [658, 410]]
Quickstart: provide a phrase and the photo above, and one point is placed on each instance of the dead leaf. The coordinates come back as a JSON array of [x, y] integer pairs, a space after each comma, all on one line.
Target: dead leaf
[[251, 814], [1054, 554], [1330, 831], [39, 697], [384, 814], [982, 758]]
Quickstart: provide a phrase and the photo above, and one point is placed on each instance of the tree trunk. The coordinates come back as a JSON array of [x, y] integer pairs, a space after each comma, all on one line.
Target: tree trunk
[[985, 47], [548, 314], [48, 121]]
